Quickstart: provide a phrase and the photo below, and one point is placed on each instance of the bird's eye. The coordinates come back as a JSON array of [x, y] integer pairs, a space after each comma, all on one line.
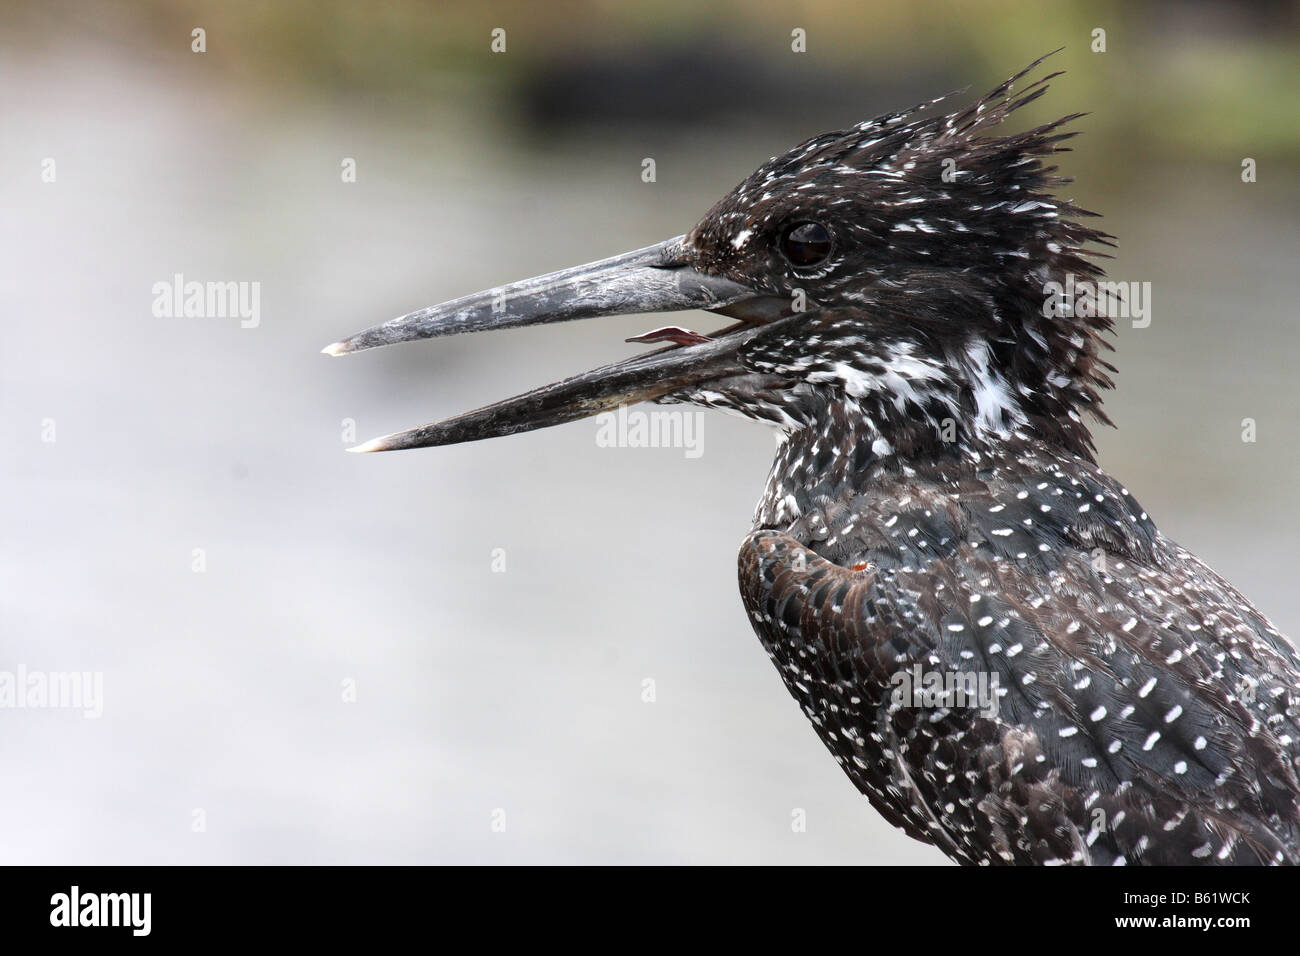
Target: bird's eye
[[807, 244]]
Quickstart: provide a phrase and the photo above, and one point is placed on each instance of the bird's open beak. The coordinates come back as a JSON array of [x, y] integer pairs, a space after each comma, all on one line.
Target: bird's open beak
[[659, 278]]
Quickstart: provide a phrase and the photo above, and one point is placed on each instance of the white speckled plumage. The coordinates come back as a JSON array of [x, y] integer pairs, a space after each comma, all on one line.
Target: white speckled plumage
[[1147, 713], [1083, 690]]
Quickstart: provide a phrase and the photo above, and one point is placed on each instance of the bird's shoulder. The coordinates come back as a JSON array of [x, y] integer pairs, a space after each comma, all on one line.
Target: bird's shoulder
[[1144, 709]]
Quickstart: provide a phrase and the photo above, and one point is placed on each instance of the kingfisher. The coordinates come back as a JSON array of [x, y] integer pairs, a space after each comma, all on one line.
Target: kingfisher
[[986, 630]]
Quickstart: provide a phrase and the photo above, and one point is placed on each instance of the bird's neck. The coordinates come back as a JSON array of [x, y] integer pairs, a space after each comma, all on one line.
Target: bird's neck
[[848, 446]]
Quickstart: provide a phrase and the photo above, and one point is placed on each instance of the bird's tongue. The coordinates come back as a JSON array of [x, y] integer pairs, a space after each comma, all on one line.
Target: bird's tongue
[[671, 333]]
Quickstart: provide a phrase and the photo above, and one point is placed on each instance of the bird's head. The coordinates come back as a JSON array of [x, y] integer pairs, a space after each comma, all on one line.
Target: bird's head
[[899, 269]]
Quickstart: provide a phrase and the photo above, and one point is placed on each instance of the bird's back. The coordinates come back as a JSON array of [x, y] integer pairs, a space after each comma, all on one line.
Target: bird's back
[[1012, 663]]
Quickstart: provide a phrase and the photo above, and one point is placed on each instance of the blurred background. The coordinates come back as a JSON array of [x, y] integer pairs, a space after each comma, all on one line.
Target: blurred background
[[307, 656]]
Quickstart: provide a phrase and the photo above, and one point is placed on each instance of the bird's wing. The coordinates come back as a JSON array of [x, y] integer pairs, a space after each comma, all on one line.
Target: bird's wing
[[1145, 711]]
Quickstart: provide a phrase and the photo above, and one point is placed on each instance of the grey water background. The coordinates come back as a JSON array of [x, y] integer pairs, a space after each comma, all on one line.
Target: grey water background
[[475, 691]]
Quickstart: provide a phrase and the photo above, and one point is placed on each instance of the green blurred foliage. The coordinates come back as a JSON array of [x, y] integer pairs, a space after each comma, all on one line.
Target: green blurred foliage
[[1199, 81]]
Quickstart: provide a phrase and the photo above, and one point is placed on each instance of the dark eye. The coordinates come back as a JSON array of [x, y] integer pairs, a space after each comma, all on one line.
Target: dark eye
[[807, 243]]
